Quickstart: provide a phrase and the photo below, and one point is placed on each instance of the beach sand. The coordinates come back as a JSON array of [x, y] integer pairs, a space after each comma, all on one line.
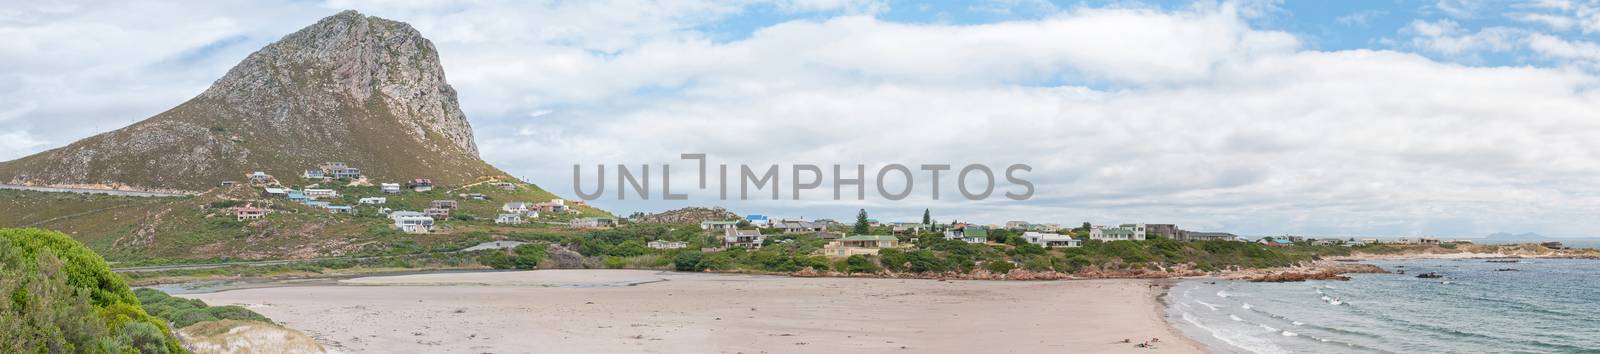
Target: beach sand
[[629, 311]]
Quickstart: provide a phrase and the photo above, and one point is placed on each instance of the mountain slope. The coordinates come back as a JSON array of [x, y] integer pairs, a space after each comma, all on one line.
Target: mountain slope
[[362, 90]]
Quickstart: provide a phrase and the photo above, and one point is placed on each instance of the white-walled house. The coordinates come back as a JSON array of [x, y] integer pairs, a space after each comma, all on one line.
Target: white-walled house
[[1049, 239], [509, 219], [1126, 232], [412, 222], [321, 193], [515, 207], [389, 188], [373, 200], [717, 224], [667, 245]]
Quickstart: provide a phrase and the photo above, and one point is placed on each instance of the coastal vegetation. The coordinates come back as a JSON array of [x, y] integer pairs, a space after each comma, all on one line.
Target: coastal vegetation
[[183, 312], [60, 297]]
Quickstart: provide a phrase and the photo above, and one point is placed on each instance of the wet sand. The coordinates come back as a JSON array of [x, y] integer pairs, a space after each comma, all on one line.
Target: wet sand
[[630, 311]]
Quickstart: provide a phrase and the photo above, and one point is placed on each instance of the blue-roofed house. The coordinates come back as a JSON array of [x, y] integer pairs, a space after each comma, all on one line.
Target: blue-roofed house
[[758, 220]]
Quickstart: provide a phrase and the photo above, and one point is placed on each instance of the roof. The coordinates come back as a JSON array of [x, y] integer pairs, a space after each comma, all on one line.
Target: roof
[[870, 238], [976, 232], [718, 222]]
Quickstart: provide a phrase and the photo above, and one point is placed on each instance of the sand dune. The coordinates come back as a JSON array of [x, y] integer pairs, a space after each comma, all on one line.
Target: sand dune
[[627, 311]]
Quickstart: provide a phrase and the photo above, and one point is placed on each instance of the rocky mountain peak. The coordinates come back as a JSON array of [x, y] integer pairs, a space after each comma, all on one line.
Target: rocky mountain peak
[[361, 57], [350, 88]]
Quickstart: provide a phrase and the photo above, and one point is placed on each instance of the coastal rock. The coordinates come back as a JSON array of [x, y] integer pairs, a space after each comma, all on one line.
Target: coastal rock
[[689, 215], [1316, 271], [563, 257]]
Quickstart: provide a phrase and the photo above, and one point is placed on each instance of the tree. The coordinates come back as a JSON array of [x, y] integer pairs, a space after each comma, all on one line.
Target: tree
[[927, 219], [861, 223]]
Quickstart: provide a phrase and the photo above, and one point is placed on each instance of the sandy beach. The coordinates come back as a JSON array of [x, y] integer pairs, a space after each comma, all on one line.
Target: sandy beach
[[629, 311]]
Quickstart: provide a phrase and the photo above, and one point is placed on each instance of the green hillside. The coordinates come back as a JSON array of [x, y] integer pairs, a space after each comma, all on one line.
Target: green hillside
[[126, 229]]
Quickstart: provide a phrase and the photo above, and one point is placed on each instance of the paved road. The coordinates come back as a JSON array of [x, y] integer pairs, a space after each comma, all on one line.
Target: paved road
[[93, 191]]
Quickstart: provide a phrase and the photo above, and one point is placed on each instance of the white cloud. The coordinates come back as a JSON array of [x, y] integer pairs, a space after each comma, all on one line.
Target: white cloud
[[1551, 46], [1460, 8], [1554, 22], [1127, 114], [1447, 37], [1360, 18]]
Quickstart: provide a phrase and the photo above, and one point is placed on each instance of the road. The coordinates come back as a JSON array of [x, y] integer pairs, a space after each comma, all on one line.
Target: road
[[94, 191]]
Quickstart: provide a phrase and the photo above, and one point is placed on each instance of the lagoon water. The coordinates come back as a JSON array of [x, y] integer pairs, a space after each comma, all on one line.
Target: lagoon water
[[1547, 306]]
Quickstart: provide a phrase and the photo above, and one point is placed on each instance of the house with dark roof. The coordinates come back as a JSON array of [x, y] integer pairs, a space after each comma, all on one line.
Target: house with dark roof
[[420, 185]]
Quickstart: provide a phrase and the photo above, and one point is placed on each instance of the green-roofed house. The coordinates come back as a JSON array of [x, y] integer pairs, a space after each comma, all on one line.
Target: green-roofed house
[[967, 233]]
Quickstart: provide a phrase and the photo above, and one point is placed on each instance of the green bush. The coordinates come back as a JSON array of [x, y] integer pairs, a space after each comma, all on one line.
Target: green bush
[[688, 261], [60, 297], [185, 312], [1000, 267], [614, 262], [893, 259], [860, 264]]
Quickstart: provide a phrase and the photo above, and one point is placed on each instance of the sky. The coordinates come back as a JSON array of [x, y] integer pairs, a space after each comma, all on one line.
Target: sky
[[1332, 118]]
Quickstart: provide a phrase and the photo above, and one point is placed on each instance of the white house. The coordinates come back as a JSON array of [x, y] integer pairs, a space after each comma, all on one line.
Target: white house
[[509, 219], [1049, 239], [373, 200], [412, 222], [515, 207], [717, 225], [1126, 232], [389, 188], [733, 237], [321, 193], [590, 223], [667, 245]]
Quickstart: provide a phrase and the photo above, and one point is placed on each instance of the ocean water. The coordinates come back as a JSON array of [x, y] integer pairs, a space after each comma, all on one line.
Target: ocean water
[[1547, 306]]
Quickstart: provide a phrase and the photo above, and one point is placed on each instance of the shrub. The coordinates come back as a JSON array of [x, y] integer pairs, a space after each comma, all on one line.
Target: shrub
[[922, 261], [688, 261], [614, 262], [496, 260], [1000, 267], [859, 264], [893, 259]]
